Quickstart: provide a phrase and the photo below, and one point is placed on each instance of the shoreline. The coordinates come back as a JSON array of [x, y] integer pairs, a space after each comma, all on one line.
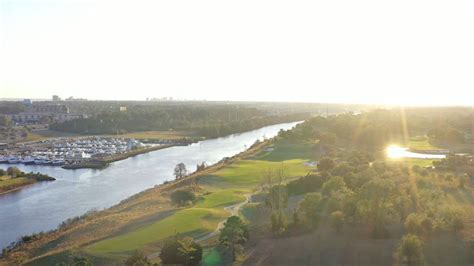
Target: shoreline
[[22, 186], [17, 188]]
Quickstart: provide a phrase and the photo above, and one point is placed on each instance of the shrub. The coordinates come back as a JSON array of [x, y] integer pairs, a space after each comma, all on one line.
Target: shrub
[[182, 197], [337, 220], [410, 251], [181, 251]]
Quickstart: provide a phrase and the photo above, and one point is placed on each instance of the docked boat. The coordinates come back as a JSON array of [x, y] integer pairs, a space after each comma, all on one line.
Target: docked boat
[[40, 160], [13, 160], [28, 160], [3, 159], [58, 162]]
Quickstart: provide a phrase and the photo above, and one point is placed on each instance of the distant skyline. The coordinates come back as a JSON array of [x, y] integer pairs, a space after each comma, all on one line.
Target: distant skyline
[[400, 52]]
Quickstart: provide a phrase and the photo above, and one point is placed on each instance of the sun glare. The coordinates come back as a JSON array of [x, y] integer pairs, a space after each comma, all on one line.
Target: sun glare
[[394, 151]]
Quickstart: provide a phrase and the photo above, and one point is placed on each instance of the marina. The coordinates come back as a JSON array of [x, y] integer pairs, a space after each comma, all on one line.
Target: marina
[[64, 152]]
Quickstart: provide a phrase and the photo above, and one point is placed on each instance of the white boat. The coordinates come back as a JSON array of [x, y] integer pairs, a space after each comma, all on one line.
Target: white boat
[[3, 159], [58, 162], [13, 160], [40, 160], [28, 160]]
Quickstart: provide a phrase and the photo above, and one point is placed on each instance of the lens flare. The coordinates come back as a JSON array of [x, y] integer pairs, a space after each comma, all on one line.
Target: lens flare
[[395, 152]]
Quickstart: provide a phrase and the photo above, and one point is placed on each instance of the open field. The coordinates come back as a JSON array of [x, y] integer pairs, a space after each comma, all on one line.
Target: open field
[[411, 161], [193, 222], [421, 143]]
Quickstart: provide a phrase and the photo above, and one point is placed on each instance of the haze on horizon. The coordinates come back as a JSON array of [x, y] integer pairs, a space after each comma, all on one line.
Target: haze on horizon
[[398, 52]]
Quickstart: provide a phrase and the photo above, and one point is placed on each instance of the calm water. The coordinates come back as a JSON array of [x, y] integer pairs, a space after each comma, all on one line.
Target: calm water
[[395, 151], [44, 205]]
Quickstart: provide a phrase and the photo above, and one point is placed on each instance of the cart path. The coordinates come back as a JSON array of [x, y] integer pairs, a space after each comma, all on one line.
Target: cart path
[[232, 209]]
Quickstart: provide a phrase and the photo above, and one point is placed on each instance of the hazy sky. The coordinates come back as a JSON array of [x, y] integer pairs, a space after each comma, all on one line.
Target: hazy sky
[[399, 51]]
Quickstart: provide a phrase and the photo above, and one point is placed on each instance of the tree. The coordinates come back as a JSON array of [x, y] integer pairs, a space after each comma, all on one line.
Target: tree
[[337, 220], [138, 258], [182, 251], [333, 185], [13, 171], [180, 171], [310, 207], [5, 121], [182, 197], [81, 261], [375, 203], [234, 234], [326, 164], [277, 198], [200, 166], [410, 251]]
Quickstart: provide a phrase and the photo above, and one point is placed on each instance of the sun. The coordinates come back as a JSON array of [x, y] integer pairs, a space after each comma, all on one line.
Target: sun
[[394, 152]]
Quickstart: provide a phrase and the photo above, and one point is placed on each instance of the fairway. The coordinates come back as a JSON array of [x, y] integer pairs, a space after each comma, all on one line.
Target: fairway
[[287, 150], [249, 173], [193, 222]]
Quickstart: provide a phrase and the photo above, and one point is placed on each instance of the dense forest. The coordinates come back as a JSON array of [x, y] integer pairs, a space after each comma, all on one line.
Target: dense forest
[[208, 121], [376, 129]]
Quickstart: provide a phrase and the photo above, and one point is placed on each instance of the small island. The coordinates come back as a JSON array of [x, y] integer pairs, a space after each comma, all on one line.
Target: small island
[[14, 179]]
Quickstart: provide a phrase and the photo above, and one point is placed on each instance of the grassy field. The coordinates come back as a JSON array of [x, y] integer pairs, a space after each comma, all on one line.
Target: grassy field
[[193, 222], [7, 183], [411, 161], [286, 150], [418, 143]]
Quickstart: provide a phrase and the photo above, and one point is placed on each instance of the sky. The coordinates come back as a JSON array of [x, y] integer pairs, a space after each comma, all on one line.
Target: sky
[[387, 52]]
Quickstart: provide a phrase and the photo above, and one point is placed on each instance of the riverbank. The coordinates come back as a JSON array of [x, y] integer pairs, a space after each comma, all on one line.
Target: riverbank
[[9, 184]]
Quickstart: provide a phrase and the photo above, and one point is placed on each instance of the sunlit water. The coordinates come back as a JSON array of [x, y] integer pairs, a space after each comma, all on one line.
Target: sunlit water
[[44, 205], [397, 152]]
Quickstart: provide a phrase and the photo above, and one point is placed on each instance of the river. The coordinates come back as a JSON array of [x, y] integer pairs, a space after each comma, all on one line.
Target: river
[[44, 205]]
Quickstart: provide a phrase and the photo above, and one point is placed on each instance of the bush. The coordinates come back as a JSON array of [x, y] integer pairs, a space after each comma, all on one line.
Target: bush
[[337, 220], [410, 251], [326, 164], [138, 258], [181, 251], [308, 183], [182, 197]]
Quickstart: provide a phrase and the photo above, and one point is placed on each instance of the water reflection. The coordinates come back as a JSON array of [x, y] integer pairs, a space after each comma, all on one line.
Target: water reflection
[[397, 152]]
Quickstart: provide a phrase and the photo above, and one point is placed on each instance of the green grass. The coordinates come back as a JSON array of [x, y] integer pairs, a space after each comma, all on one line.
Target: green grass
[[221, 198], [193, 222], [412, 161], [421, 144], [286, 150], [248, 173], [15, 182], [418, 143]]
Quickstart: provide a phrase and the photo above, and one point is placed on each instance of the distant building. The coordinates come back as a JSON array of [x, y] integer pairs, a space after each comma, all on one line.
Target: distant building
[[44, 114], [56, 98], [123, 108], [27, 102]]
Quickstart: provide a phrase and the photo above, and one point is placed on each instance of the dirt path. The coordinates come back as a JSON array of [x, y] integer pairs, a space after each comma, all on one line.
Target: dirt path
[[232, 209]]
